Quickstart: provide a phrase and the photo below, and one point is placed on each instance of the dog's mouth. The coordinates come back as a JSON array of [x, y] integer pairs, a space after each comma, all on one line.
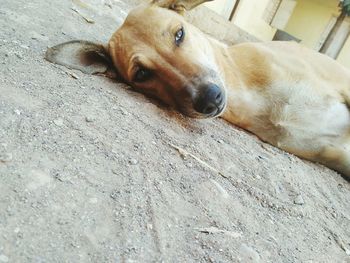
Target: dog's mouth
[[220, 109], [214, 111]]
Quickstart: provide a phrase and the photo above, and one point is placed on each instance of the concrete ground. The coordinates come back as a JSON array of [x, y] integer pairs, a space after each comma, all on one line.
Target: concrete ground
[[91, 171]]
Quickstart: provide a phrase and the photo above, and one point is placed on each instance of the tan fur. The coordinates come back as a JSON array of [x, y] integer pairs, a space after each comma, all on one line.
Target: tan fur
[[289, 96]]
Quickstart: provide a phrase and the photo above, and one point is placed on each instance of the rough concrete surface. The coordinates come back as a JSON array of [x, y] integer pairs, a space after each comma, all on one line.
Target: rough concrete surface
[[91, 171]]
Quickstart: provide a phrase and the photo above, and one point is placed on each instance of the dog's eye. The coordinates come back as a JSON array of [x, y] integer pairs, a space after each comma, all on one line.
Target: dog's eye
[[179, 36], [142, 75]]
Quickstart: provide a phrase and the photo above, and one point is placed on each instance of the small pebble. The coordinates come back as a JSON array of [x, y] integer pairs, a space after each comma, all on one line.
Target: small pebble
[[258, 177], [89, 119], [24, 46], [133, 161], [19, 55], [5, 157], [299, 200], [58, 122], [123, 111], [189, 165]]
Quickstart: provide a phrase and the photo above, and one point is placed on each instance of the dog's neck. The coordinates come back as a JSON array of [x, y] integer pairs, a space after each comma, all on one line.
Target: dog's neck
[[226, 62], [240, 80]]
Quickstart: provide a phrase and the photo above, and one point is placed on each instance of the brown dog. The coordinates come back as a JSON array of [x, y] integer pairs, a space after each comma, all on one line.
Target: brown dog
[[288, 95]]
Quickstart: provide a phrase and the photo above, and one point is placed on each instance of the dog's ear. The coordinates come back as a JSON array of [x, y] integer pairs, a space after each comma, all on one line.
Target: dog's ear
[[88, 57], [179, 5]]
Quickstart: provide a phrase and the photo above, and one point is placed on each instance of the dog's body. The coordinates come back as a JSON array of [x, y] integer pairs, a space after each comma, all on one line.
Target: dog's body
[[292, 98], [289, 96]]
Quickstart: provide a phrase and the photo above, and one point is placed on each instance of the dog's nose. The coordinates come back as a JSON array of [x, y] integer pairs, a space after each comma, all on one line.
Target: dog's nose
[[209, 99]]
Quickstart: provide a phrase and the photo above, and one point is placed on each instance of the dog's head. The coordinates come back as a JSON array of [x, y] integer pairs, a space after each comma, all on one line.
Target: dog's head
[[158, 53]]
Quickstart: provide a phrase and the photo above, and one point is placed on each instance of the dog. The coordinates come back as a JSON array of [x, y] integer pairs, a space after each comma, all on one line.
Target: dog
[[288, 95]]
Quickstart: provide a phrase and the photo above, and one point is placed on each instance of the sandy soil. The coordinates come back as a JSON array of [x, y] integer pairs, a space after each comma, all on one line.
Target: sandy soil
[[93, 172]]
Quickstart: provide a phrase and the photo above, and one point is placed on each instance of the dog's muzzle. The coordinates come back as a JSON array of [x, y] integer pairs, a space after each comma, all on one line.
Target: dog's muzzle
[[210, 100]]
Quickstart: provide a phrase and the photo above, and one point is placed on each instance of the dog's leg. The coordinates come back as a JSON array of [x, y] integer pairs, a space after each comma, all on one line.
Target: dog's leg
[[337, 158], [346, 96]]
